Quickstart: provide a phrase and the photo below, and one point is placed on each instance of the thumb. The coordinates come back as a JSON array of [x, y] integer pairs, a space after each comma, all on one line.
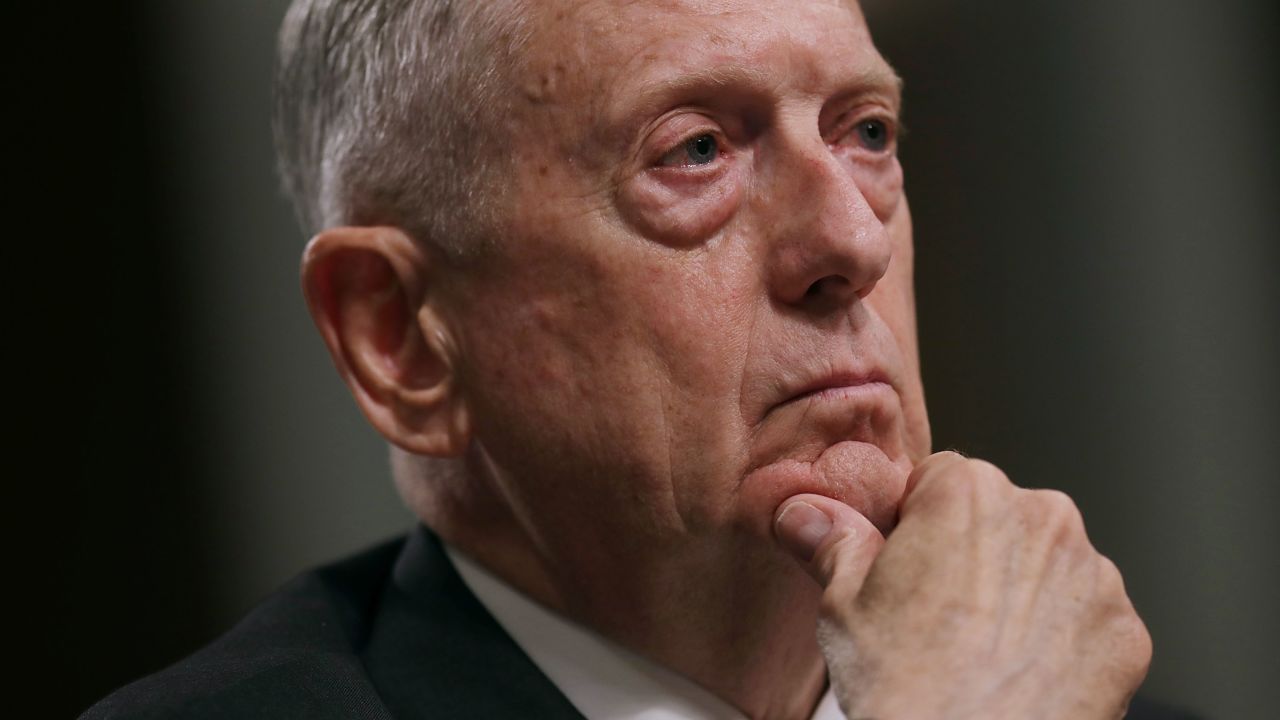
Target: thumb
[[828, 538]]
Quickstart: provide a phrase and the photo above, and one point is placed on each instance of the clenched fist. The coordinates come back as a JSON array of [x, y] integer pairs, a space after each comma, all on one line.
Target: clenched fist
[[986, 601]]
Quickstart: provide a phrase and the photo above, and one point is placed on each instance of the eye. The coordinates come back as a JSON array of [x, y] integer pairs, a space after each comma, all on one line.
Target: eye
[[699, 150], [873, 134]]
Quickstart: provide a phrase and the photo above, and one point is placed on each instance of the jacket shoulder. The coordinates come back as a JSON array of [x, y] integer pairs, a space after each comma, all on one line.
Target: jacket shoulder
[[295, 655]]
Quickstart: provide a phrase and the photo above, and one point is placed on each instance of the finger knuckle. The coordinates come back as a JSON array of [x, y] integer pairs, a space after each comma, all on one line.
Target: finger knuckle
[[1131, 637], [1109, 577], [987, 470], [1110, 586], [969, 474], [1056, 510], [960, 482], [941, 458], [1137, 648], [930, 476], [986, 479], [1144, 645]]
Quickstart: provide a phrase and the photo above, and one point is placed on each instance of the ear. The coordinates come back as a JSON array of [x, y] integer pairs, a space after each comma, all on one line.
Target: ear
[[369, 292]]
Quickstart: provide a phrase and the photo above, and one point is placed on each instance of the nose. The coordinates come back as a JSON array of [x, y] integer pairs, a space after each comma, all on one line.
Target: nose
[[826, 244]]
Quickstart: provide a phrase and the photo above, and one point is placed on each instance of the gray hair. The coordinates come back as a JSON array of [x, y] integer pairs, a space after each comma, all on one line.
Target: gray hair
[[385, 114]]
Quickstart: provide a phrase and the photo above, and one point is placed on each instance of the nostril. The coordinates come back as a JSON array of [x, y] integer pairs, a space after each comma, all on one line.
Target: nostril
[[831, 284]]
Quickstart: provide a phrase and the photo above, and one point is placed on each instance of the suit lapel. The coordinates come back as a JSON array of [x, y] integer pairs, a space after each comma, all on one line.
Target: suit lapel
[[435, 652]]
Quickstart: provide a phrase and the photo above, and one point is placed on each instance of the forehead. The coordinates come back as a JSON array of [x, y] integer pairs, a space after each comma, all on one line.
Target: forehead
[[613, 18], [585, 53]]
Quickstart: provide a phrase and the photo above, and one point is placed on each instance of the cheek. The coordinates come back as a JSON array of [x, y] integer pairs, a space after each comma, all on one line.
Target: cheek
[[881, 186], [701, 329], [700, 309], [894, 302], [637, 381], [681, 211], [602, 349], [520, 366], [535, 332]]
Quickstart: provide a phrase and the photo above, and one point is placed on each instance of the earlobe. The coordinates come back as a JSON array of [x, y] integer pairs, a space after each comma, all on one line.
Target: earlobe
[[369, 293]]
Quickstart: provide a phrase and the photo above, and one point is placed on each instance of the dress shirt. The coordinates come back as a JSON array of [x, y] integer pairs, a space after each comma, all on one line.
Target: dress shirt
[[602, 679]]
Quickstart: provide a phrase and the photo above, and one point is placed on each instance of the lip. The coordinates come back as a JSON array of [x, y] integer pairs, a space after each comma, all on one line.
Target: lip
[[838, 385], [815, 411]]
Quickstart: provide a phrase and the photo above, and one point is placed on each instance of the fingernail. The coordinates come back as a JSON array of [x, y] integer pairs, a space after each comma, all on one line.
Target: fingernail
[[800, 528]]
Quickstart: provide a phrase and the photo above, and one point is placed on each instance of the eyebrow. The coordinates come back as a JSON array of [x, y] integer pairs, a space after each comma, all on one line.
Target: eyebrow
[[725, 76], [886, 75], [878, 77]]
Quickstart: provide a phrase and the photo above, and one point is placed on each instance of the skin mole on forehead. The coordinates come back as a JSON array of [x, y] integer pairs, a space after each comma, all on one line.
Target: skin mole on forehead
[[542, 87]]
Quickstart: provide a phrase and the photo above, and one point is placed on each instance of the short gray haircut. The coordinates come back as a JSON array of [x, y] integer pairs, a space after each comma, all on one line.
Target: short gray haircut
[[386, 113]]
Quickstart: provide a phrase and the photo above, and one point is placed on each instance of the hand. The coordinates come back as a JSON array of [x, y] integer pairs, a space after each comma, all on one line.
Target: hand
[[986, 601]]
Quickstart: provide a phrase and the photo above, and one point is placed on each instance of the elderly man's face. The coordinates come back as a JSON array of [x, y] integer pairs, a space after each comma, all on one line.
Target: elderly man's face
[[703, 302]]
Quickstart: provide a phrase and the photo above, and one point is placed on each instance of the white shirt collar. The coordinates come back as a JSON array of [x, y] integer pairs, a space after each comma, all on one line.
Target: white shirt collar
[[602, 679]]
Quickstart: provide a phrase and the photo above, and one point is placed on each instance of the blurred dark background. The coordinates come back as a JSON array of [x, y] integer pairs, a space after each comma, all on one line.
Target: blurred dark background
[[1095, 186]]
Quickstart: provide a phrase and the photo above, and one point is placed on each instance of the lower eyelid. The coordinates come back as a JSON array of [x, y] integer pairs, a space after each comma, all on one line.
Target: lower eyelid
[[695, 173]]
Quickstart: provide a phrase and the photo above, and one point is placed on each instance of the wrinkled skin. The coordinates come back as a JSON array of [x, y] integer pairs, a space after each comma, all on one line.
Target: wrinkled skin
[[652, 323], [987, 600], [639, 354], [700, 306]]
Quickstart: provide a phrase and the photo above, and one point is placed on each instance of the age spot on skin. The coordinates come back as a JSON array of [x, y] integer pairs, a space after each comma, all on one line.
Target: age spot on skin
[[543, 87]]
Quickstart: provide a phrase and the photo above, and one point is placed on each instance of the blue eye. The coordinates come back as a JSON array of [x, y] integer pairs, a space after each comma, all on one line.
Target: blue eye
[[873, 134], [700, 150]]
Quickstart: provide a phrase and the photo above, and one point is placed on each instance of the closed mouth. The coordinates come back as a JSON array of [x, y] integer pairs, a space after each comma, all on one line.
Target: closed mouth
[[840, 386]]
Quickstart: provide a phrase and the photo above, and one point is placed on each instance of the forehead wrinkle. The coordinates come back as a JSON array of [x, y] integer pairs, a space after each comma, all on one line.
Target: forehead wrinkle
[[701, 59], [714, 78], [657, 94], [610, 87]]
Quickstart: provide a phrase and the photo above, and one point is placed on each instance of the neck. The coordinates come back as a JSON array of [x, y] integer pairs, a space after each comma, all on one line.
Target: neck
[[733, 616]]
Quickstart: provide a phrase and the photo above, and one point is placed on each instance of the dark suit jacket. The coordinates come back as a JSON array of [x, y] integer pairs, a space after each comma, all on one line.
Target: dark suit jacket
[[390, 633]]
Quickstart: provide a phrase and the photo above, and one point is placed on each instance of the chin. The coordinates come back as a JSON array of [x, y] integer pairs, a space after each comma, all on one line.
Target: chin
[[858, 474]]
